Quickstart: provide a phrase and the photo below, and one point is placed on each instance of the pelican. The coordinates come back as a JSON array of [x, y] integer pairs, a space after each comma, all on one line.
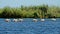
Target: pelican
[[15, 20], [42, 20], [35, 20], [53, 19], [20, 20], [7, 20]]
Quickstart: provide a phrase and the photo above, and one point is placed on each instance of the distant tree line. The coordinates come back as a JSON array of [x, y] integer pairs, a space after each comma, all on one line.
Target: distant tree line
[[42, 11]]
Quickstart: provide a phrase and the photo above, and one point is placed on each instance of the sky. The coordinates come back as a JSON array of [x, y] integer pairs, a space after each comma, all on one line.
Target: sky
[[18, 3]]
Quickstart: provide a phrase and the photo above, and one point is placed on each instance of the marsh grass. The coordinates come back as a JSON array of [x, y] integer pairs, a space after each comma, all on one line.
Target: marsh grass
[[43, 11]]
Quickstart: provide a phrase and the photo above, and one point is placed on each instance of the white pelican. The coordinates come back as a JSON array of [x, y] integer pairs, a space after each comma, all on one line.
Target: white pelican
[[7, 20], [20, 20], [53, 19], [42, 20], [15, 20], [35, 20]]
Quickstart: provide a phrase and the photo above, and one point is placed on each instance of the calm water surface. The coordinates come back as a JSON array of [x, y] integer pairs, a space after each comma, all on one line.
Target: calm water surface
[[30, 27]]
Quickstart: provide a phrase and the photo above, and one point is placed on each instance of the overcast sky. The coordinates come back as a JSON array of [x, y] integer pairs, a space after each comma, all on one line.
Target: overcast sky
[[17, 3]]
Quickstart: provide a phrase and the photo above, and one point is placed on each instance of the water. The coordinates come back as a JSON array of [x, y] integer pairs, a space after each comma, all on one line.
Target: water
[[30, 27]]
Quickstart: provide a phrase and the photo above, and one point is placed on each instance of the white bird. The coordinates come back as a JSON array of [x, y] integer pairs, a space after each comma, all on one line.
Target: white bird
[[15, 20], [35, 20], [42, 20], [20, 20], [7, 20], [53, 19]]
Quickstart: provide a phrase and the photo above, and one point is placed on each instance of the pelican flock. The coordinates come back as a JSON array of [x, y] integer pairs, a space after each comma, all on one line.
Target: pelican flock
[[21, 20]]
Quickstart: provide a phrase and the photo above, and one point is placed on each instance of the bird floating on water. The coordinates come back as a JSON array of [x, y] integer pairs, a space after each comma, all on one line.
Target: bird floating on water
[[35, 20], [20, 20], [42, 20], [7, 20], [15, 20], [53, 19]]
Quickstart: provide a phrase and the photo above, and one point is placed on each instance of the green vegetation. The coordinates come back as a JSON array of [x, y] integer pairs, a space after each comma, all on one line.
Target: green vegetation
[[43, 11]]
